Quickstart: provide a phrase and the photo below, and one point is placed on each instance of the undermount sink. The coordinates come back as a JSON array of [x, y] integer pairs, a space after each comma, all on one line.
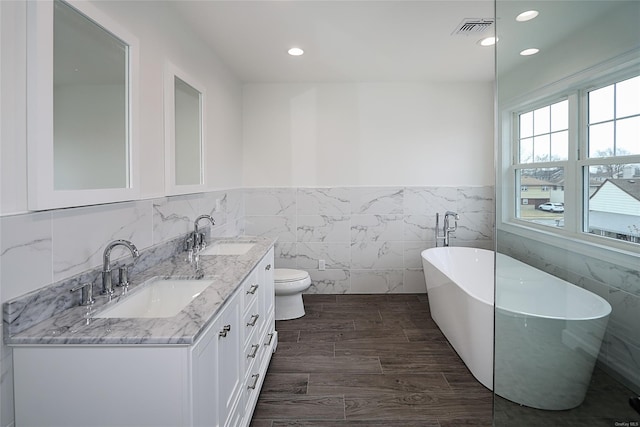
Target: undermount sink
[[161, 298], [228, 248]]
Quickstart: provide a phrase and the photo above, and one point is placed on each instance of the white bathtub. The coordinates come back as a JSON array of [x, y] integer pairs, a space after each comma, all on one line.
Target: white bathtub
[[548, 331]]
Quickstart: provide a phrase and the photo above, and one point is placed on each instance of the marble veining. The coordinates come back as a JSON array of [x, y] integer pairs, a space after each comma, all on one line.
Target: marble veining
[[377, 255], [377, 200], [323, 228], [216, 205], [336, 255], [25, 237], [334, 201], [419, 228], [285, 255], [275, 201], [376, 281], [95, 225], [369, 228], [475, 199], [429, 200], [75, 324], [376, 227], [282, 227], [174, 216], [330, 282]]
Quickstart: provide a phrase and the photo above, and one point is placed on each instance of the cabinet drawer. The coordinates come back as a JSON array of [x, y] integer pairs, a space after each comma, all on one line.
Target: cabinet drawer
[[252, 289], [253, 320], [252, 353]]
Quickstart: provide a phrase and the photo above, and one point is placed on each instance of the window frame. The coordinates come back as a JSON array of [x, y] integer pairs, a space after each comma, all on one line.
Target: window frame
[[575, 88]]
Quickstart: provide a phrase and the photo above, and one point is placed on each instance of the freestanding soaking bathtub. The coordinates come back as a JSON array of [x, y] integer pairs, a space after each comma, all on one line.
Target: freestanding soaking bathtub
[[548, 331]]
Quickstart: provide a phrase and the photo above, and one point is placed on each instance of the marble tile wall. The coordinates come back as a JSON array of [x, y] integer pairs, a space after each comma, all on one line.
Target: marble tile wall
[[46, 249], [369, 237], [620, 350]]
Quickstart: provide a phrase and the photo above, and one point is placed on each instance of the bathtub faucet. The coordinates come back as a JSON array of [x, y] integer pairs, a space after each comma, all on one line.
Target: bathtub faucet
[[447, 229]]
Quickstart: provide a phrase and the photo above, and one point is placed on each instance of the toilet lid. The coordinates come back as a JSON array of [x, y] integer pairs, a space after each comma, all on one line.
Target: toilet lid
[[289, 275]]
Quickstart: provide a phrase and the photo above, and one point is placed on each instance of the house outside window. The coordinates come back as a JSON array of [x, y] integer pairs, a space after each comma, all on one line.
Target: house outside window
[[542, 152], [577, 156], [613, 139]]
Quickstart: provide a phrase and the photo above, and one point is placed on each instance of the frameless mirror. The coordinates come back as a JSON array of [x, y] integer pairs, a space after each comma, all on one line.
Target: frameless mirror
[[184, 133], [80, 106]]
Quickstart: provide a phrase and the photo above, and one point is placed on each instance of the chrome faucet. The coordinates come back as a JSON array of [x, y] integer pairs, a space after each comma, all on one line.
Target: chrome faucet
[[447, 229], [198, 238], [107, 286], [195, 242]]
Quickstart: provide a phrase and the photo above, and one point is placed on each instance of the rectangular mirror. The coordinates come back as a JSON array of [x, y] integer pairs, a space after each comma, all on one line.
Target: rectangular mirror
[[184, 133], [90, 99], [80, 96]]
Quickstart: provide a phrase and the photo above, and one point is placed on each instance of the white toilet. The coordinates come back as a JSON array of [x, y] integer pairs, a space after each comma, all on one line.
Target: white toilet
[[289, 286]]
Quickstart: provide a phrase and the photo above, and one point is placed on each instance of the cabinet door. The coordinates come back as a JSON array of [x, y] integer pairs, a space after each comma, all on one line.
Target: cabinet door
[[269, 285], [205, 391], [267, 296], [230, 360]]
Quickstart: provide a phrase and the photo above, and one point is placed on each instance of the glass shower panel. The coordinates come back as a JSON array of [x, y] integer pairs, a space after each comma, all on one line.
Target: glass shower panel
[[567, 283]]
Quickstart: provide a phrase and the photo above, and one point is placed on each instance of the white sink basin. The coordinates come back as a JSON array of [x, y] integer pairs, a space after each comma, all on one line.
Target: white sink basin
[[161, 298], [231, 248]]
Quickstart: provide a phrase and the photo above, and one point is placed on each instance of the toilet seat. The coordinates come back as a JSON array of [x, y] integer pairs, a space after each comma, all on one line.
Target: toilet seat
[[289, 275]]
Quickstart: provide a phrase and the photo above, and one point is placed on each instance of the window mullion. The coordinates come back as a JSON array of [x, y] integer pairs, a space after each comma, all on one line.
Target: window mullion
[[573, 183]]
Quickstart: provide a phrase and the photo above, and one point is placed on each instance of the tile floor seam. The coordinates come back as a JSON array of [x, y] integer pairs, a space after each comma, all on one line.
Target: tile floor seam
[[425, 354]]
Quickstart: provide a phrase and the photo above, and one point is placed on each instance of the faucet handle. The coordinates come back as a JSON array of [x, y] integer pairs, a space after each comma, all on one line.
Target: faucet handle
[[123, 274], [87, 293], [189, 244]]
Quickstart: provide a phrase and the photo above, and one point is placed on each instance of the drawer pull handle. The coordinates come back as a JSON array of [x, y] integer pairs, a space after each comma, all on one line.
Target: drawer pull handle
[[255, 381], [255, 348], [225, 330], [252, 290], [254, 319], [268, 267], [270, 339]]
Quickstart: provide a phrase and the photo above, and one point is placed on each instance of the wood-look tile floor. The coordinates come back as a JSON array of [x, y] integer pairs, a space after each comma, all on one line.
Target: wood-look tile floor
[[380, 360], [368, 360]]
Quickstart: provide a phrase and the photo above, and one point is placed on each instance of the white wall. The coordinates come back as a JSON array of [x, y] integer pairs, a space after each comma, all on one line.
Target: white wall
[[359, 134]]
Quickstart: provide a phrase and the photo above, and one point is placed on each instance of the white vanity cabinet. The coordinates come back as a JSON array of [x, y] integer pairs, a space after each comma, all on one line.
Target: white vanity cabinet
[[214, 382], [260, 333], [217, 368]]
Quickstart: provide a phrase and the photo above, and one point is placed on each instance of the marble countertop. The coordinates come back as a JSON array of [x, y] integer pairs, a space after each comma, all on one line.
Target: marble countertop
[[78, 326]]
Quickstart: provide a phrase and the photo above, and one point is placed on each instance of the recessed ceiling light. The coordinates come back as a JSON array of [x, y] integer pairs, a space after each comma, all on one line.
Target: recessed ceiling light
[[527, 16], [295, 51], [529, 52], [488, 41]]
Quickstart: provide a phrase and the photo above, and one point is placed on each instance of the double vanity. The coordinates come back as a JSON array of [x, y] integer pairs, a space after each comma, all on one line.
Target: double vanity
[[188, 344]]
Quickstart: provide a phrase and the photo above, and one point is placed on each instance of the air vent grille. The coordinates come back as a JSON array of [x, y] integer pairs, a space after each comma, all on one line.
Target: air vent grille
[[473, 26]]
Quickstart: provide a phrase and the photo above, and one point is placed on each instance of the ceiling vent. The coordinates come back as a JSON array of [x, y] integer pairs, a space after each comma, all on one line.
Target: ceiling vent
[[473, 26]]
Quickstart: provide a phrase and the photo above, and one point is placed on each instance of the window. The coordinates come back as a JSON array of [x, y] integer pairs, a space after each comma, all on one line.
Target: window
[[543, 141], [582, 148], [612, 202]]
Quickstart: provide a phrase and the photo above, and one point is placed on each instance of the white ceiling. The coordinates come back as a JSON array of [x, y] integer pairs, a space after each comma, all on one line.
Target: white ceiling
[[344, 41]]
